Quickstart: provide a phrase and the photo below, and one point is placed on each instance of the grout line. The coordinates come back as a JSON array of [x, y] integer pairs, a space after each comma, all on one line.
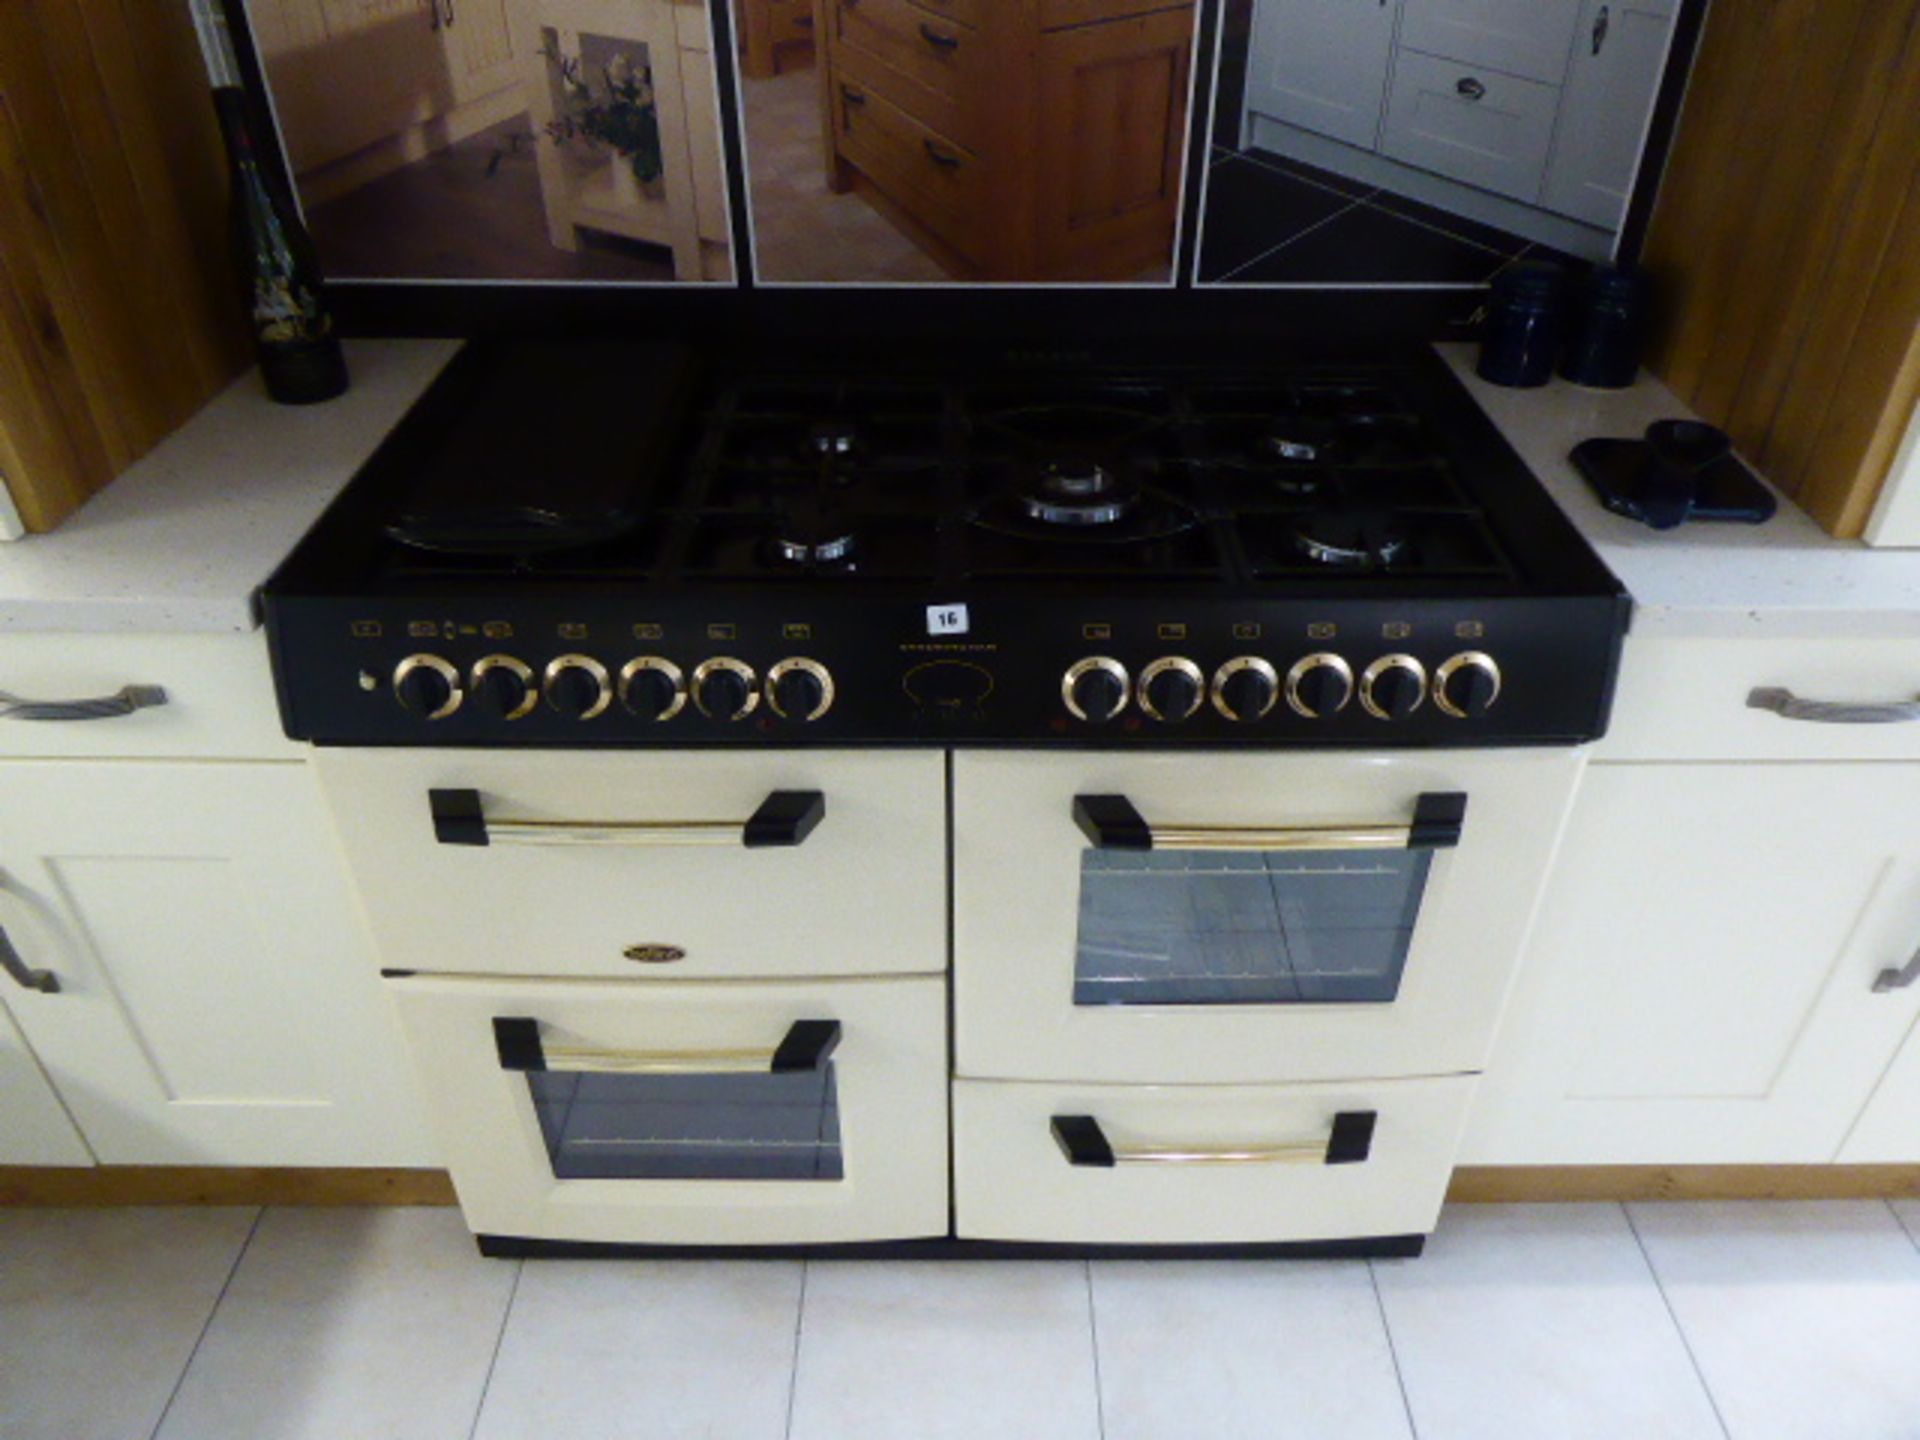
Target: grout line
[[1901, 1221], [1264, 254], [207, 1324], [1437, 229], [799, 1327], [1393, 1351], [1093, 1338], [500, 1339], [1674, 1317]]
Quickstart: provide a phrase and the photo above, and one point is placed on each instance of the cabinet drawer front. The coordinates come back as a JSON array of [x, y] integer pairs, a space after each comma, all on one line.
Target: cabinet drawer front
[[1530, 38], [861, 894], [1014, 1180], [218, 696], [854, 1147], [1059, 14], [932, 49], [1470, 123], [943, 184], [1688, 699]]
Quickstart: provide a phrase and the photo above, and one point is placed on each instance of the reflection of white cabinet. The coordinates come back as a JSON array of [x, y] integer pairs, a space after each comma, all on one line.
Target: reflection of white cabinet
[[1322, 65], [1517, 37], [1618, 55], [37, 1130], [1471, 123]]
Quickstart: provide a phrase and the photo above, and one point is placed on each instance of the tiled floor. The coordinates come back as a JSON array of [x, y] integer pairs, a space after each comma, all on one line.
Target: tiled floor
[[1752, 1321]]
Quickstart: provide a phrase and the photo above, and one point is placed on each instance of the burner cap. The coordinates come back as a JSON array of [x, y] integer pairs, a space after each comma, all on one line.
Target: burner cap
[[833, 437], [812, 533], [1350, 538], [836, 550], [1079, 491], [1300, 440]]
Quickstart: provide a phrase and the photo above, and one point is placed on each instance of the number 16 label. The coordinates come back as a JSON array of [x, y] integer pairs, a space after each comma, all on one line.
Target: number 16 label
[[947, 620]]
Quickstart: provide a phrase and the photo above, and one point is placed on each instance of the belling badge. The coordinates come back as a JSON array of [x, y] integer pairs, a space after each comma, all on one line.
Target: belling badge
[[654, 954]]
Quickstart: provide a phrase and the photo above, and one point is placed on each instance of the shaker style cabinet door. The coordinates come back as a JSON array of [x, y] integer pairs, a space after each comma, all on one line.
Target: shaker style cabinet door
[[1700, 986], [36, 1130], [1619, 56], [1519, 37], [1322, 65], [1470, 123], [217, 1002]]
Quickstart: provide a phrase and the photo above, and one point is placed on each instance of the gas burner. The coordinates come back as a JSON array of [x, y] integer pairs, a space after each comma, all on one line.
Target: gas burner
[[1300, 440], [1079, 492], [1352, 539], [835, 551], [809, 533], [833, 438]]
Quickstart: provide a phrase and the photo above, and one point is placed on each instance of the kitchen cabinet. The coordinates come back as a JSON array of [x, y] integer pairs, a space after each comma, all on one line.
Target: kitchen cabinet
[[767, 27], [1322, 65], [1619, 52], [1516, 37], [1470, 123], [37, 1129]]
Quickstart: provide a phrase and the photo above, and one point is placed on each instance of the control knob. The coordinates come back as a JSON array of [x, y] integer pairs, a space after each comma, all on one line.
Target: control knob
[[1245, 688], [1095, 689], [799, 689], [1466, 686], [652, 688], [427, 686], [505, 686], [1320, 685], [1393, 687], [724, 688], [1171, 688], [578, 685]]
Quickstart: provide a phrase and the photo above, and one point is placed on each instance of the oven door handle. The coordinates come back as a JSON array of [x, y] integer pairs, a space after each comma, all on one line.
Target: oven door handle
[[806, 1046], [1085, 1144], [1112, 823], [786, 817]]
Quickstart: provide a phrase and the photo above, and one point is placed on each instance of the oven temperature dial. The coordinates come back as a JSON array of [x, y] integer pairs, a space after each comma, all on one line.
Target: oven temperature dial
[[652, 688], [799, 688], [1393, 687], [1467, 685], [1320, 685], [725, 688], [428, 686], [1171, 688], [1245, 688], [505, 686], [1095, 688], [578, 685]]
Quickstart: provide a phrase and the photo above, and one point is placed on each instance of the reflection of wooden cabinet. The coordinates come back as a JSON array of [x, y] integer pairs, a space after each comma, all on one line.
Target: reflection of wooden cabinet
[[1034, 140], [769, 28]]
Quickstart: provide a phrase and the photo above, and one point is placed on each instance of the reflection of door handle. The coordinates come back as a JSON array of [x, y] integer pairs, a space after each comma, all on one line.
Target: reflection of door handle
[[941, 157], [1471, 89], [939, 42], [24, 975], [1601, 24], [852, 96], [449, 5]]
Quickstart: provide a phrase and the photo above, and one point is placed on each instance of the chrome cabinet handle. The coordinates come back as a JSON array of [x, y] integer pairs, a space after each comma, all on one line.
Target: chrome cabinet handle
[[1789, 706], [785, 818], [1086, 1145], [125, 701], [1471, 89], [1112, 823], [1891, 979], [805, 1047], [24, 975]]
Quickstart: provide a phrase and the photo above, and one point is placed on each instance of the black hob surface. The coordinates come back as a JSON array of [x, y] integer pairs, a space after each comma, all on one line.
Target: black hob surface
[[613, 544]]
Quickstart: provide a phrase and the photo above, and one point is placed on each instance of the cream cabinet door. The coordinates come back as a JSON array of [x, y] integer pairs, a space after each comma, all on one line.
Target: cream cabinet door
[[1518, 37], [1618, 59], [1322, 65], [36, 1130], [1700, 983], [1888, 1130], [218, 1001]]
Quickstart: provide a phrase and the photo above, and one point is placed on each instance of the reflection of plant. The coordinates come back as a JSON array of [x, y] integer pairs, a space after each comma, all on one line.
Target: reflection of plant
[[619, 114]]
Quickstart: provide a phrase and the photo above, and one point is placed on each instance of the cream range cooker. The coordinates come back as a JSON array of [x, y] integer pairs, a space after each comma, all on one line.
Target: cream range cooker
[[943, 810]]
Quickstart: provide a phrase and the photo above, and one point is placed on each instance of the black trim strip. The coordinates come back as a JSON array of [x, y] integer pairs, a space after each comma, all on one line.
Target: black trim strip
[[949, 1247], [517, 1039]]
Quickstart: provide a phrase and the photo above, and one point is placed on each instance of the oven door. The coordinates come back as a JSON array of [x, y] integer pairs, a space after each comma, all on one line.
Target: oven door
[[1177, 918], [687, 1114]]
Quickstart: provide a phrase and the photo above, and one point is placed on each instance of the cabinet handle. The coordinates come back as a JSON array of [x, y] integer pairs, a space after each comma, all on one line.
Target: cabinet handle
[[1112, 823], [1789, 706], [24, 975], [852, 96], [449, 4], [125, 701], [941, 157], [1086, 1145], [433, 14], [1601, 24], [934, 38], [786, 817], [1891, 979], [805, 1047], [1470, 88]]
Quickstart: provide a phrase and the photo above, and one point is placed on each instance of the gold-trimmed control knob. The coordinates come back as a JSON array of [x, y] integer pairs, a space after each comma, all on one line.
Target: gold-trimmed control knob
[[428, 686], [1393, 687], [1171, 688], [1095, 689], [578, 685], [505, 685], [1319, 685], [725, 688], [799, 688], [1245, 688], [1466, 685], [652, 687]]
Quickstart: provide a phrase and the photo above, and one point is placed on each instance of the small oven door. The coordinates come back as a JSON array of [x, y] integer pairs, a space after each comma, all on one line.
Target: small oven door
[[1176, 918], [753, 1114]]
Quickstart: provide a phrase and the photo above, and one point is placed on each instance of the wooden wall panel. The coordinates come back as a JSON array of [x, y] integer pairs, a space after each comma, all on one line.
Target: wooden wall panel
[[1787, 242], [118, 312]]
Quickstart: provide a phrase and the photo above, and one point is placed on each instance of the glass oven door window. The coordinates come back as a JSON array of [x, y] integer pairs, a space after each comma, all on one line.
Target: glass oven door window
[[753, 1126], [1195, 927]]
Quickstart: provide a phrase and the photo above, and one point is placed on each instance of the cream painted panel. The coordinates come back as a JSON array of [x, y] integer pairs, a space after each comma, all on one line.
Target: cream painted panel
[[1683, 699], [864, 894], [1888, 1130], [1699, 986], [220, 699], [889, 1071], [1012, 1180], [1016, 911], [219, 1001], [36, 1130]]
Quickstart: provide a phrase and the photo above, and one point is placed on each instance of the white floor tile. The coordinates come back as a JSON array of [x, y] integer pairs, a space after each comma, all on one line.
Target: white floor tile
[[1253, 1349], [99, 1310], [1803, 1315], [932, 1350], [1532, 1321], [348, 1325], [652, 1350]]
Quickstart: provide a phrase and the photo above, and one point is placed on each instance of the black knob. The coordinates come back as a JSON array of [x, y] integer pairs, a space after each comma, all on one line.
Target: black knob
[[798, 693], [724, 691], [504, 690], [1467, 685], [1322, 686], [424, 685], [577, 686], [1097, 694], [1393, 688], [651, 694], [1244, 691], [1172, 693]]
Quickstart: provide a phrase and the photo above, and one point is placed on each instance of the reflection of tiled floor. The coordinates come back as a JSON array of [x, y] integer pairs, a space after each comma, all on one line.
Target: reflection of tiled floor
[[1276, 221], [802, 230], [469, 212]]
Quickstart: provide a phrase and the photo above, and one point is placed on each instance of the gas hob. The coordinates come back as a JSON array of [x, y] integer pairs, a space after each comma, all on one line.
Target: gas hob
[[610, 545]]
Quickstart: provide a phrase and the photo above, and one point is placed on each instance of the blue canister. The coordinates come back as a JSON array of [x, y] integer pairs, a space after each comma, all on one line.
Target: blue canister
[[1521, 340], [1608, 328]]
